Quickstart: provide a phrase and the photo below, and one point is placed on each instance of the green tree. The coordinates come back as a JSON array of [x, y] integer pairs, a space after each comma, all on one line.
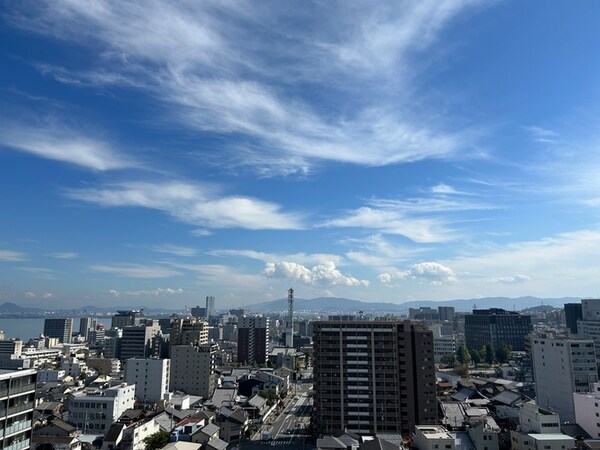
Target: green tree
[[489, 354], [475, 359], [503, 353], [462, 355], [157, 440], [448, 360]]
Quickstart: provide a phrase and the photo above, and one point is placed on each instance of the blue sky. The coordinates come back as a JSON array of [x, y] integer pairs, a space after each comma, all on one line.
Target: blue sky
[[159, 152]]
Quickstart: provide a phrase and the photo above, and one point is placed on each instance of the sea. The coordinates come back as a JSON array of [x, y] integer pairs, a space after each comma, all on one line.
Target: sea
[[28, 328]]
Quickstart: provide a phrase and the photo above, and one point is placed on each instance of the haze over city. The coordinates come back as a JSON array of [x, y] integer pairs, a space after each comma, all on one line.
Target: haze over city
[[156, 153]]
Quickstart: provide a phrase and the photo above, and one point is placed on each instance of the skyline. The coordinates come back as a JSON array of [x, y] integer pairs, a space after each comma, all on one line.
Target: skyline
[[415, 151]]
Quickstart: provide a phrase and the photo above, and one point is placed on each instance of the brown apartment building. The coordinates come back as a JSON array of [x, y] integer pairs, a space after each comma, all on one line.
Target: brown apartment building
[[373, 377]]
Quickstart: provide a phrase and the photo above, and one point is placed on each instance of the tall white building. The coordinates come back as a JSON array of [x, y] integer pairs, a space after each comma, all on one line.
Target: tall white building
[[94, 411], [150, 376], [587, 410], [562, 367], [210, 307], [193, 369]]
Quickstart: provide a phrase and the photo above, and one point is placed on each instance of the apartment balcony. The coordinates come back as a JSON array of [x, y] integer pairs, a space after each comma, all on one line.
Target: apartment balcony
[[17, 427], [19, 408], [19, 445], [20, 389]]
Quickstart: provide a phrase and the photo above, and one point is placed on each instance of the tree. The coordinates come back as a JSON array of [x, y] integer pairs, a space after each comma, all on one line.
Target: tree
[[503, 353], [489, 354], [157, 440], [462, 355], [448, 360], [475, 356]]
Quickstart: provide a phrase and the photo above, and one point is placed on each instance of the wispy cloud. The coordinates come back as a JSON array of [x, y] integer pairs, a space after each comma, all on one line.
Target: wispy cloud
[[135, 271], [29, 295], [175, 250], [543, 135], [301, 258], [12, 256], [63, 255], [158, 292], [511, 279], [63, 144], [323, 275], [208, 66], [193, 204]]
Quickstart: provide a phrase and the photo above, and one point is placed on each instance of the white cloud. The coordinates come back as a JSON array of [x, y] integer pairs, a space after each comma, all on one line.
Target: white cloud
[[135, 271], [30, 294], [429, 272], [158, 292], [210, 69], [63, 255], [301, 258], [12, 256], [48, 295], [201, 232], [65, 145], [194, 204], [114, 293], [175, 250], [511, 279], [543, 135], [323, 275]]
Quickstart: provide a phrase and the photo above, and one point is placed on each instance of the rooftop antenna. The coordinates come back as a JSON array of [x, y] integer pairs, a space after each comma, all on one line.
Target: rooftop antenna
[[289, 334]]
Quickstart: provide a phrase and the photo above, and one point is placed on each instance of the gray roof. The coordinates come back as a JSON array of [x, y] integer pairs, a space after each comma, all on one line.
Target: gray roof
[[508, 397], [217, 444], [257, 401], [378, 444], [330, 442], [209, 429]]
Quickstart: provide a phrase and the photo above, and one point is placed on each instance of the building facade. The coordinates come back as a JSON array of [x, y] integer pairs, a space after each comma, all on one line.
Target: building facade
[[496, 326], [573, 313], [17, 392], [193, 369], [137, 340], [373, 377], [62, 329], [150, 376], [562, 367], [253, 339], [210, 307]]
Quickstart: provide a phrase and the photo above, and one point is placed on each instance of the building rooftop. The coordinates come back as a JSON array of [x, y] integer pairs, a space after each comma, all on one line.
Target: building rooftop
[[434, 431], [548, 436]]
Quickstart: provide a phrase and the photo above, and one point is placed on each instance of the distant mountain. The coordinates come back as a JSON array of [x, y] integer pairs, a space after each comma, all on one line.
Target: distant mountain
[[345, 305], [12, 308]]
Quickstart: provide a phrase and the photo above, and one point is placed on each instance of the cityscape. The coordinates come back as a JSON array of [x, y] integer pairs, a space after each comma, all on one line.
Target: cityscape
[[316, 224]]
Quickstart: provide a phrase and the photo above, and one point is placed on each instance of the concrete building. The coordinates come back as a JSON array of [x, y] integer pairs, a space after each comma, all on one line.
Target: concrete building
[[373, 377], [193, 369], [253, 339], [17, 393], [59, 328], [539, 429], [590, 309], [446, 313], [94, 411], [198, 312], [587, 410], [496, 326], [433, 437], [11, 347], [150, 376], [561, 367], [127, 318], [85, 325], [137, 340], [189, 330]]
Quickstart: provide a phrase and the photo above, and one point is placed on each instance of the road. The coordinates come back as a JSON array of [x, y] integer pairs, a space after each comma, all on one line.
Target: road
[[290, 427]]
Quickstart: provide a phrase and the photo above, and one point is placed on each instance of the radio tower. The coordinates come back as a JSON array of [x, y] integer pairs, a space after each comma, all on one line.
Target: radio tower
[[289, 332]]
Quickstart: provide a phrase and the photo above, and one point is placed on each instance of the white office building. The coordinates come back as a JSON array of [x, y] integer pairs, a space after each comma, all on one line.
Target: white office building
[[94, 411], [587, 410], [150, 377], [561, 367]]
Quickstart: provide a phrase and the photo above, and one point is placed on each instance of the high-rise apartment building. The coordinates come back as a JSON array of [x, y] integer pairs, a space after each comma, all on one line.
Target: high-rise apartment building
[[199, 312], [446, 313], [150, 377], [373, 377], [86, 324], [136, 341], [562, 367], [189, 330], [62, 329], [17, 391], [210, 307], [193, 369], [253, 339], [588, 326], [496, 326], [127, 318], [573, 313]]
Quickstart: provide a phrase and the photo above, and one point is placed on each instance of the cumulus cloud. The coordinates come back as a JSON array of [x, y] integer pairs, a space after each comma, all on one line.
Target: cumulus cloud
[[158, 292], [48, 295], [12, 256], [114, 293], [323, 275], [511, 279], [428, 272], [30, 294], [194, 204]]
